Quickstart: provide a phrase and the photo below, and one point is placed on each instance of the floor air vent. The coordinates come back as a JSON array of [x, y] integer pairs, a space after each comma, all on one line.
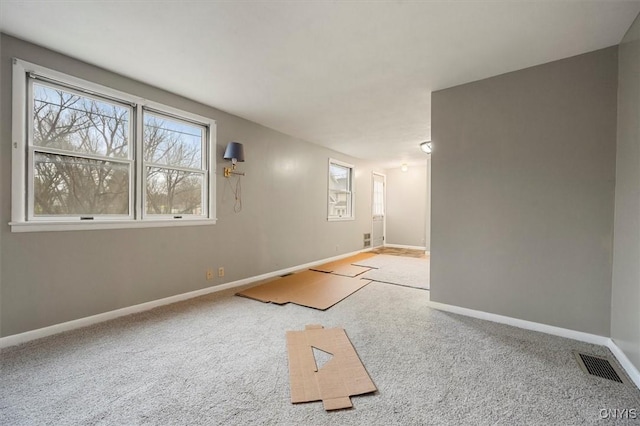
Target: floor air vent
[[598, 366]]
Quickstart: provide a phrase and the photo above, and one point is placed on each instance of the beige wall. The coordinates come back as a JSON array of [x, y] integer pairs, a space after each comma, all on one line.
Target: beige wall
[[625, 295], [52, 277], [406, 206], [523, 173]]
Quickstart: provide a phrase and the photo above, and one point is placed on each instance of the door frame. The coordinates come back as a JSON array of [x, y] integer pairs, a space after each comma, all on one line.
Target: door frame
[[384, 201]]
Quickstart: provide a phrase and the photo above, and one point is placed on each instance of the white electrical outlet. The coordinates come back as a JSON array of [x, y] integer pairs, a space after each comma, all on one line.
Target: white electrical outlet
[[209, 274], [221, 271]]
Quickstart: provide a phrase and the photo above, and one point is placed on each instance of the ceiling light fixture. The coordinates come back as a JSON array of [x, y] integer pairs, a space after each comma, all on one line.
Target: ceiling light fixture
[[404, 167], [426, 147]]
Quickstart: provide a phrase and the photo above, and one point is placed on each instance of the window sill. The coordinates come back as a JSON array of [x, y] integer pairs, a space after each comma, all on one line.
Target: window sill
[[340, 219], [106, 224]]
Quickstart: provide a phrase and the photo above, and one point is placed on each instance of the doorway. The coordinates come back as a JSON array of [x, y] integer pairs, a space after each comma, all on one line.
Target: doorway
[[378, 210]]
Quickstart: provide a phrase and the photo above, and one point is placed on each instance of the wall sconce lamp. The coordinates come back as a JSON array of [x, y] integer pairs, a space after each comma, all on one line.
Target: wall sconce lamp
[[235, 153], [405, 167], [426, 147]]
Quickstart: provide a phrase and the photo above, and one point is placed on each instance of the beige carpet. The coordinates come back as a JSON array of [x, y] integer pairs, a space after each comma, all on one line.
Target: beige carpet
[[399, 270], [222, 360]]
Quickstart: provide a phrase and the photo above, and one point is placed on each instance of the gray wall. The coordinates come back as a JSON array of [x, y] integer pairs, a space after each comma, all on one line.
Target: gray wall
[[52, 277], [625, 293], [406, 206], [523, 172]]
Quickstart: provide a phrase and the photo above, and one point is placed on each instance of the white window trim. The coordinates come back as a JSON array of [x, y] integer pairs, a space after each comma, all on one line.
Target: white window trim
[[19, 145], [353, 193], [30, 149], [154, 107]]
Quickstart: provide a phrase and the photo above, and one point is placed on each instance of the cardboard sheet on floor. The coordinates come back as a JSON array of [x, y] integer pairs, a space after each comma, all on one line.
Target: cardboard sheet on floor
[[350, 270], [333, 382], [345, 266], [308, 288]]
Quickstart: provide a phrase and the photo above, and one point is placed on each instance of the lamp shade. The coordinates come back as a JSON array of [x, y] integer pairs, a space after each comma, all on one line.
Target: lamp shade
[[426, 147], [234, 150]]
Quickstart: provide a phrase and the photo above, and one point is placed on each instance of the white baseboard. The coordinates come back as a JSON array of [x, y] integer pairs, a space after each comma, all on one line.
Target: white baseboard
[[27, 336], [631, 370], [625, 362], [528, 325], [402, 246]]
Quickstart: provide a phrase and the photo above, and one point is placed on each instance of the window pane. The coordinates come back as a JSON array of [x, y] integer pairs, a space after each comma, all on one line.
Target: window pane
[[174, 192], [340, 196], [339, 204], [67, 185], [378, 198], [339, 177], [71, 122], [172, 142]]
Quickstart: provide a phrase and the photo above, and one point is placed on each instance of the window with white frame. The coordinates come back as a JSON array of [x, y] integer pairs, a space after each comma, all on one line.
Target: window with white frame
[[340, 194], [175, 168], [89, 157]]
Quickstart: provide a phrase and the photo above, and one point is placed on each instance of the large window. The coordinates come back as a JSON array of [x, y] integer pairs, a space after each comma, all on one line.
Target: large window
[[340, 200], [89, 157]]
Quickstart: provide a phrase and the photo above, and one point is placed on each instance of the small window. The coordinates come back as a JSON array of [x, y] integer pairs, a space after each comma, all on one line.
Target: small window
[[89, 157], [340, 194]]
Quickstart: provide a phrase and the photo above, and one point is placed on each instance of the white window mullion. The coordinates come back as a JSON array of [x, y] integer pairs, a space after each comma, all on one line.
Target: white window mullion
[[172, 167], [211, 171], [54, 151], [205, 164], [30, 151], [140, 169]]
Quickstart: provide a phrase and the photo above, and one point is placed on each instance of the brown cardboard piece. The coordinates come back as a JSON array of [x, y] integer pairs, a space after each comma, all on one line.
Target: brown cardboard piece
[[334, 382], [308, 288], [345, 266], [350, 270]]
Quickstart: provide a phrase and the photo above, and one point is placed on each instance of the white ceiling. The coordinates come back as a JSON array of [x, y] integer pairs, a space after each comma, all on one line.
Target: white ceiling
[[353, 76]]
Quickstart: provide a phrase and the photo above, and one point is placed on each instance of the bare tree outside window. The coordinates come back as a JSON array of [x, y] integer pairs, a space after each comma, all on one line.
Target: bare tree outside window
[[78, 142], [87, 156], [175, 170]]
